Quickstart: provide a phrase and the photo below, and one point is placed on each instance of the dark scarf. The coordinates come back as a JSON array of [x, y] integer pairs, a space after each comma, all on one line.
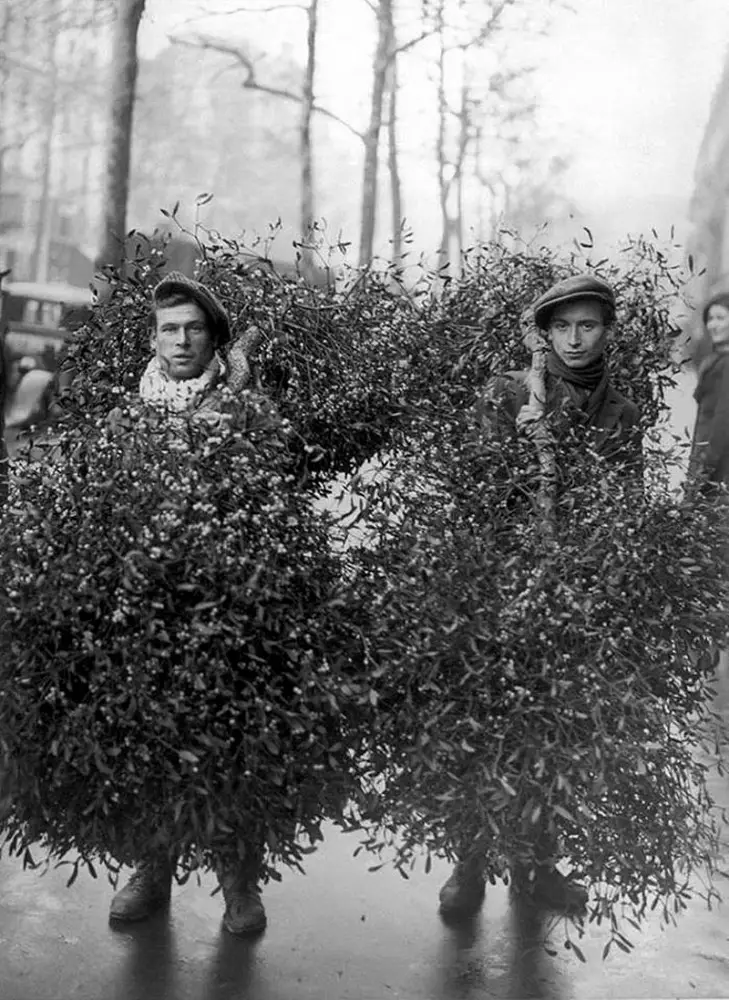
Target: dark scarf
[[586, 387]]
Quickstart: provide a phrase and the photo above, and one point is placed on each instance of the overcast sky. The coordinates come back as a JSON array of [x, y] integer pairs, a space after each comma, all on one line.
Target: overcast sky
[[631, 81], [625, 86]]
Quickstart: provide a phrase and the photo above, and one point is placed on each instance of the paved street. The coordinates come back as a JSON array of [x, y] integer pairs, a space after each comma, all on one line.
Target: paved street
[[338, 933]]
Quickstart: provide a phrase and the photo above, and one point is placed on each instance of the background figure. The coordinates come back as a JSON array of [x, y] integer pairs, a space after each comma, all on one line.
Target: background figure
[[29, 390], [709, 462], [3, 447]]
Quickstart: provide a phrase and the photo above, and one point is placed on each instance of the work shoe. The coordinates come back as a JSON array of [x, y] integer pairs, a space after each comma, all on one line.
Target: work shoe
[[244, 912], [462, 895], [147, 891], [551, 890]]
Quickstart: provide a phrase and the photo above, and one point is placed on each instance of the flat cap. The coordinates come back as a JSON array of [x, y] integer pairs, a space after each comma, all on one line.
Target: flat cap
[[579, 286], [178, 283]]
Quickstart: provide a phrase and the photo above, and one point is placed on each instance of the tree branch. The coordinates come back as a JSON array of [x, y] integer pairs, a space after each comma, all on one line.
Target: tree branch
[[492, 22], [251, 83], [411, 43], [246, 10]]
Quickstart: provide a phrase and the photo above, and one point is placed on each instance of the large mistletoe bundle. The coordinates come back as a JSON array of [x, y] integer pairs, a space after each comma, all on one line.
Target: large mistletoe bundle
[[532, 687], [166, 615], [523, 681], [181, 652]]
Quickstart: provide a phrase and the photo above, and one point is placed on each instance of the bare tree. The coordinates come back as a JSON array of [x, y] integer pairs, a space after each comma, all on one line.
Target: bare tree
[[393, 161], [478, 21], [305, 97], [6, 19], [28, 29], [124, 69], [487, 141], [383, 55], [385, 84], [307, 153], [39, 258], [384, 88], [440, 142]]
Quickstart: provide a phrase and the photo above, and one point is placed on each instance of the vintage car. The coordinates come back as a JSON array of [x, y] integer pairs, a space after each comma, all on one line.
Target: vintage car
[[35, 318]]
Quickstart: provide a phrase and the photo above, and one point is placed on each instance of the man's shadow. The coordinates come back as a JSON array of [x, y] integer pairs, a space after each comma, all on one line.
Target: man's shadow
[[532, 974], [232, 973], [150, 971], [513, 965], [154, 970], [460, 965]]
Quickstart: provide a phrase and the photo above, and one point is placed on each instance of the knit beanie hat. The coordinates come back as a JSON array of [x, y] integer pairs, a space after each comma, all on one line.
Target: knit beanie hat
[[718, 299], [177, 283], [580, 286]]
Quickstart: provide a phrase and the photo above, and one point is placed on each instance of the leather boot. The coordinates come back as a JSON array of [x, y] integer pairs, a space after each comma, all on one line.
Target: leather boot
[[244, 910], [553, 891], [462, 895], [147, 891]]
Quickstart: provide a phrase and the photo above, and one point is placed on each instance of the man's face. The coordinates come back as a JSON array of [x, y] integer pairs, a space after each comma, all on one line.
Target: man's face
[[578, 333], [717, 325], [182, 341]]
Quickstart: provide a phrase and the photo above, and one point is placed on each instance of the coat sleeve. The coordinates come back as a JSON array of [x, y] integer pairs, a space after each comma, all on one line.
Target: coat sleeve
[[717, 440]]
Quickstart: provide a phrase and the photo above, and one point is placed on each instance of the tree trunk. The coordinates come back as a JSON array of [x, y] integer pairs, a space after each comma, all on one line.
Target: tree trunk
[[394, 163], [123, 86], [464, 140], [6, 17], [372, 135], [307, 154], [441, 154], [39, 260]]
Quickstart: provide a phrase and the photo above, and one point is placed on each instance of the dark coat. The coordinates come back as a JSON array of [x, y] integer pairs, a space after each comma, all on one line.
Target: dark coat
[[710, 446], [3, 448], [615, 433]]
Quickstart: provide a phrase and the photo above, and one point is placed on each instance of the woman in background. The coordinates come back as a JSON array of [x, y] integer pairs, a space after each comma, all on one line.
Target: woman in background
[[709, 462]]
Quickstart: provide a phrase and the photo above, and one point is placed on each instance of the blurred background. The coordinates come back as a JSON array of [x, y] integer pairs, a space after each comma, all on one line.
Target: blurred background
[[382, 127]]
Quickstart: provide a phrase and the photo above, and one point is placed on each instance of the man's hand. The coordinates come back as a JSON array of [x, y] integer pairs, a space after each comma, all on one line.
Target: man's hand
[[530, 422], [527, 416], [238, 357], [530, 418]]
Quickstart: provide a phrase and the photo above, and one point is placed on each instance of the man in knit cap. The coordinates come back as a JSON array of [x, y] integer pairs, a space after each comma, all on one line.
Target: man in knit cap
[[189, 328], [581, 409], [184, 378]]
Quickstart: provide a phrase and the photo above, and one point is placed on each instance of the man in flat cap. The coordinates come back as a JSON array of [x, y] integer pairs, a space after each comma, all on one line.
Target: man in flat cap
[[184, 378], [576, 316], [583, 409]]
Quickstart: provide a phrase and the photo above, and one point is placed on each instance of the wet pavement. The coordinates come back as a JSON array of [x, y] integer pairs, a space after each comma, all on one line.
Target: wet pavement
[[339, 932]]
